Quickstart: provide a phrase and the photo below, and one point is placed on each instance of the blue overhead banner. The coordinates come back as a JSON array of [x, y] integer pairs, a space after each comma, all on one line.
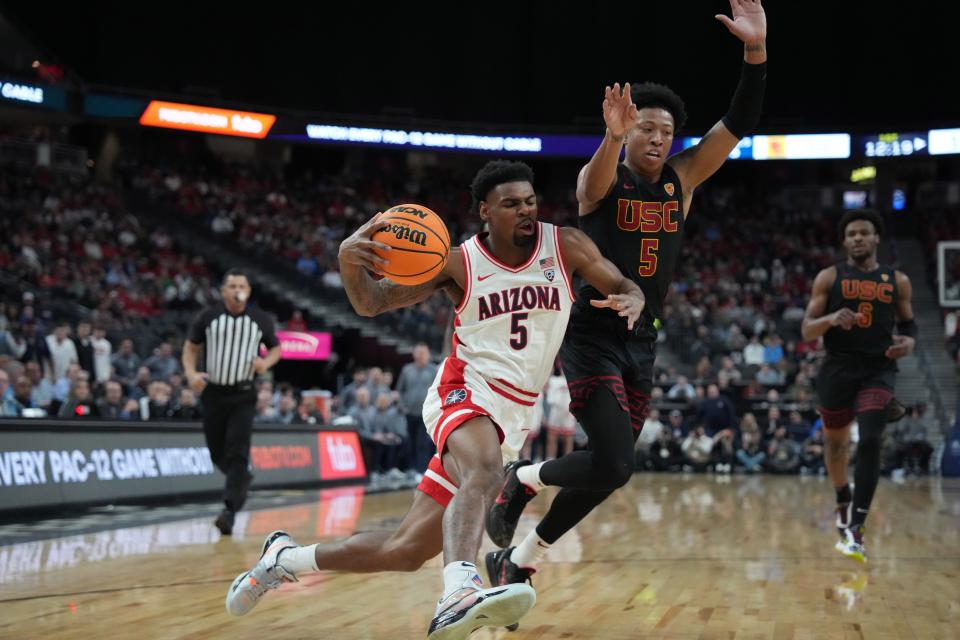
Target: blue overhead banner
[[554, 145], [762, 147]]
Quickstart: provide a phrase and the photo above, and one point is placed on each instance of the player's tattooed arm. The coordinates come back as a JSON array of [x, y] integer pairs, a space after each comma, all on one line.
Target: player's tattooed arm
[[370, 297], [357, 250]]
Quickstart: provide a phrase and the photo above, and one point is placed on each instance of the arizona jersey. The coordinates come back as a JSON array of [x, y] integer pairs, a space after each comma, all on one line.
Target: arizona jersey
[[511, 320], [638, 227], [874, 296]]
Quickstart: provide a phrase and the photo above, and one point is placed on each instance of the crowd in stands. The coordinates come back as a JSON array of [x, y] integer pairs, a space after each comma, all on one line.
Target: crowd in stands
[[64, 235]]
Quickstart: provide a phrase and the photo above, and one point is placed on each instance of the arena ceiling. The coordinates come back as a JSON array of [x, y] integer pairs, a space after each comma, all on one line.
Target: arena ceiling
[[527, 63]]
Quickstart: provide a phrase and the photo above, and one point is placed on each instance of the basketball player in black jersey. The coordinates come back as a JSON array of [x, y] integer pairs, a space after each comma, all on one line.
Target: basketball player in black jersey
[[854, 305], [635, 212]]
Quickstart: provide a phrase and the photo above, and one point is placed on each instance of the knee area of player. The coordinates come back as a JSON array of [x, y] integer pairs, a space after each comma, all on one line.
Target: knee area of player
[[614, 474], [486, 474]]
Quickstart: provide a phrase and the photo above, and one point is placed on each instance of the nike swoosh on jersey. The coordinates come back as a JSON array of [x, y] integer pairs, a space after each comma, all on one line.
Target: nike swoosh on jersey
[[482, 278]]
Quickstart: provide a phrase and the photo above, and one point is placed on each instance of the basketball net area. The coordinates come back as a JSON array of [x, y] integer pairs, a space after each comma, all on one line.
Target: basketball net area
[[948, 273]]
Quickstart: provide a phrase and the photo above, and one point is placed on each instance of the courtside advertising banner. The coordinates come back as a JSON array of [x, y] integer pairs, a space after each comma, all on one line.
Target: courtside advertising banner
[[48, 466], [340, 455], [191, 117], [303, 345]]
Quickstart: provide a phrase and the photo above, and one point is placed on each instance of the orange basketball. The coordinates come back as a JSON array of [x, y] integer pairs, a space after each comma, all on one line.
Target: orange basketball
[[420, 241]]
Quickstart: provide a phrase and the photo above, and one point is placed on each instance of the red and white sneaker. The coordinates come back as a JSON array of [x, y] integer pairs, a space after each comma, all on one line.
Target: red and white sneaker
[[464, 611], [248, 587]]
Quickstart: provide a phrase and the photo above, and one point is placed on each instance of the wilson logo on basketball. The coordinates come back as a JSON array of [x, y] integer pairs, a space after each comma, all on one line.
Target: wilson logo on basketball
[[403, 232], [419, 243]]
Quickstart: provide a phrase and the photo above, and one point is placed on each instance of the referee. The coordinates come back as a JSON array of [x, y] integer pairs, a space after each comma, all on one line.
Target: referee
[[232, 333]]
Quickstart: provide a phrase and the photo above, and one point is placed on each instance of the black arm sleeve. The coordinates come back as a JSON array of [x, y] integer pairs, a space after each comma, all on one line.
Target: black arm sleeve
[[907, 328], [747, 102]]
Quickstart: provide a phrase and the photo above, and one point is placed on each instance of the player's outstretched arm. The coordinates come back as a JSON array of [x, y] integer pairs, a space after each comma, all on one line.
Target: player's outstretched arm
[[584, 259], [370, 297], [699, 162], [906, 338], [598, 176]]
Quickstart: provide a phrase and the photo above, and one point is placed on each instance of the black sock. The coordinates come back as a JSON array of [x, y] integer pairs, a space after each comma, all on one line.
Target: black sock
[[867, 473], [844, 494], [567, 509]]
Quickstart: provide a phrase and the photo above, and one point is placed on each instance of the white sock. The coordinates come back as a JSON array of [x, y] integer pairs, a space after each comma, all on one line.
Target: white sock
[[299, 559], [530, 476], [458, 575], [529, 553]]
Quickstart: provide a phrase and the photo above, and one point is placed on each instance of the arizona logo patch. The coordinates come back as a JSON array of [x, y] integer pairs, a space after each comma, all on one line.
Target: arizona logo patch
[[550, 274], [454, 397], [668, 188]]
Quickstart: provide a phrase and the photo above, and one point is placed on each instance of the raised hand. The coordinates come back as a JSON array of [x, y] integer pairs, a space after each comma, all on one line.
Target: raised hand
[[619, 112], [749, 21], [357, 249], [627, 305]]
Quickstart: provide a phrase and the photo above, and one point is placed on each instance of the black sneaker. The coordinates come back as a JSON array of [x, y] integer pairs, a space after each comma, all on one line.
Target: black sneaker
[[501, 570], [224, 522], [505, 513]]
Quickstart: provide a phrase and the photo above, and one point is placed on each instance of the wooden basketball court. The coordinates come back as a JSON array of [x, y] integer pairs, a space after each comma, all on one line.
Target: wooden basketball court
[[669, 556]]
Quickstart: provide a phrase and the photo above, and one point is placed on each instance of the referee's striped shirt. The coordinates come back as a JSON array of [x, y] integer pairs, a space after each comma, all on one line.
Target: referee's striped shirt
[[232, 342]]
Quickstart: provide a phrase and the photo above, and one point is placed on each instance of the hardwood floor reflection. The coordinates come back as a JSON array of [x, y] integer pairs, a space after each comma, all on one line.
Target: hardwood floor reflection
[[668, 556]]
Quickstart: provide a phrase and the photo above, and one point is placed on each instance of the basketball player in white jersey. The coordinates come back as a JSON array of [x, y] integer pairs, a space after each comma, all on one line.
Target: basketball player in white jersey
[[511, 288]]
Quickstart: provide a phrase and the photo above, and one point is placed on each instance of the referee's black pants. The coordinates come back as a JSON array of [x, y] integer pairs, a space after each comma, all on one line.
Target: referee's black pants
[[227, 424]]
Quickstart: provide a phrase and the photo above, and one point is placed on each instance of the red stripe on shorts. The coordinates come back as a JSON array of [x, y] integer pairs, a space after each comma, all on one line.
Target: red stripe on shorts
[[582, 388], [434, 489], [873, 399], [836, 418]]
